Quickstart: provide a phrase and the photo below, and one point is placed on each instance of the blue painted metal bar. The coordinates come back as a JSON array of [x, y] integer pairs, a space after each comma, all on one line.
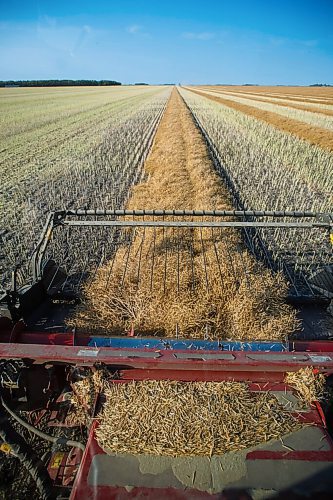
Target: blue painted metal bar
[[195, 345]]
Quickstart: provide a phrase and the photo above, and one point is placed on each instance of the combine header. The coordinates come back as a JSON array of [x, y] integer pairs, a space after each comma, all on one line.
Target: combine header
[[41, 357]]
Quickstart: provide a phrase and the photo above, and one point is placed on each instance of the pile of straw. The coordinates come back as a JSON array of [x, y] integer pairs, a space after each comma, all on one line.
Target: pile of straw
[[250, 306], [196, 418], [308, 384], [83, 399]]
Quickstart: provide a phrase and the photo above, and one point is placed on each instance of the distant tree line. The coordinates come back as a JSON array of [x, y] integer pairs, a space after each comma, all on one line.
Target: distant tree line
[[56, 83], [320, 85]]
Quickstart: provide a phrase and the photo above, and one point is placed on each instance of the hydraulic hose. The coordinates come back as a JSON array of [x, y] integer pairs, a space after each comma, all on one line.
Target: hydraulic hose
[[43, 435], [20, 449]]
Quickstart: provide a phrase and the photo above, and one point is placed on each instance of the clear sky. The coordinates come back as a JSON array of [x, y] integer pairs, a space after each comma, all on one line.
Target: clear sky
[[196, 41]]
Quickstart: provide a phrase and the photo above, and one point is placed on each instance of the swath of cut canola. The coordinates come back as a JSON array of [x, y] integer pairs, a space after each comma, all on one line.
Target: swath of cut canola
[[217, 302], [315, 135]]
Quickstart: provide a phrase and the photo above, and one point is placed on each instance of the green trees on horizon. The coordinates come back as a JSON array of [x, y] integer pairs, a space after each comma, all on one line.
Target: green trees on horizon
[[56, 83]]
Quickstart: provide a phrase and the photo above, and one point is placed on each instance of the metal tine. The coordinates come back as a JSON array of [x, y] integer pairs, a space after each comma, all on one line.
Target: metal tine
[[217, 256], [62, 263], [82, 273], [53, 278], [71, 264], [204, 258], [153, 259], [85, 271], [165, 243], [149, 249], [246, 232], [175, 247], [304, 265], [127, 255], [308, 284], [93, 275], [68, 276], [178, 260], [140, 255], [256, 243], [245, 271], [263, 246], [191, 254], [292, 269], [114, 252], [290, 277], [229, 258]]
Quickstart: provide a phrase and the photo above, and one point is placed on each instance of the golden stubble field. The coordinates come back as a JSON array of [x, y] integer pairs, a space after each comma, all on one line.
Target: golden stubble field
[[67, 147], [306, 112]]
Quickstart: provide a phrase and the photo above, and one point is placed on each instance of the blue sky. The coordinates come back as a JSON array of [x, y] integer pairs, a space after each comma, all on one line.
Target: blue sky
[[244, 41]]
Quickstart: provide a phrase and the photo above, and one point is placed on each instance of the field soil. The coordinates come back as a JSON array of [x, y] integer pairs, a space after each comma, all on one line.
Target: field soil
[[243, 300], [315, 135]]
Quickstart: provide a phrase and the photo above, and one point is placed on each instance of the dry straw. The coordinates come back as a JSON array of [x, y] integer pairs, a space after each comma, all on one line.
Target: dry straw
[[243, 300], [196, 418], [308, 384], [84, 393]]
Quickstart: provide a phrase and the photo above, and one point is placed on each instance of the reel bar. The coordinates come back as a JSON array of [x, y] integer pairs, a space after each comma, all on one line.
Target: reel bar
[[195, 213], [201, 224]]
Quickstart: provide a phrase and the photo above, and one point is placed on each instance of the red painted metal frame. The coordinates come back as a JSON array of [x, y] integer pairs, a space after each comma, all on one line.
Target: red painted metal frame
[[265, 370], [42, 347], [18, 334], [83, 491], [165, 363]]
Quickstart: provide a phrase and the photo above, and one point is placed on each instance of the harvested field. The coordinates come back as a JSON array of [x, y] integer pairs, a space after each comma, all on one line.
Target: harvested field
[[197, 418], [181, 176], [309, 101], [270, 169], [310, 117], [314, 135], [304, 92], [312, 108], [80, 146]]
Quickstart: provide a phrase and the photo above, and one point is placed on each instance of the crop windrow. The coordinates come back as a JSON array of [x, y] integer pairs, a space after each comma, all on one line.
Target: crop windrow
[[271, 170], [284, 103], [94, 166], [309, 116], [233, 296], [314, 135]]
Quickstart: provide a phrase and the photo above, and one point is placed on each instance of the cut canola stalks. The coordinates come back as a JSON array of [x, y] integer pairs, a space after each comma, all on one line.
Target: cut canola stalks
[[310, 117], [85, 156], [280, 102], [168, 418], [315, 135], [181, 176], [273, 170]]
